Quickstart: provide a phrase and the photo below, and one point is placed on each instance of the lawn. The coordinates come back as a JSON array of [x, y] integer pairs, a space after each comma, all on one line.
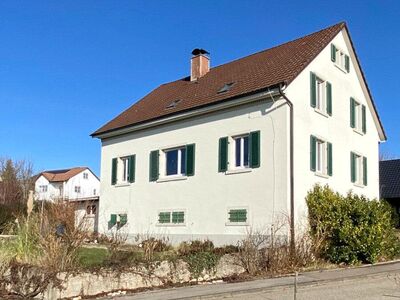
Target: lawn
[[92, 257]]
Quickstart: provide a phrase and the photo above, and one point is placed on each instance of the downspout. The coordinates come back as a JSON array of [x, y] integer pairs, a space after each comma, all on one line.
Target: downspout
[[282, 86]]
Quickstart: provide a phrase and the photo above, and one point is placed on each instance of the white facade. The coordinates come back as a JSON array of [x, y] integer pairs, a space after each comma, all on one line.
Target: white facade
[[264, 192]]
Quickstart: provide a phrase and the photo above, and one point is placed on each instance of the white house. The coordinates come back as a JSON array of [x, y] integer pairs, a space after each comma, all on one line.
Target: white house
[[235, 146], [78, 184]]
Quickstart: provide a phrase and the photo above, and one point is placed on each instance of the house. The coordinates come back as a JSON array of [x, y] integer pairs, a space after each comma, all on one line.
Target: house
[[79, 185], [239, 145], [389, 174]]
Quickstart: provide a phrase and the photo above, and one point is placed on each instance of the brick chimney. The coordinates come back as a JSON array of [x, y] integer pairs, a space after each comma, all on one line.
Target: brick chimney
[[200, 64]]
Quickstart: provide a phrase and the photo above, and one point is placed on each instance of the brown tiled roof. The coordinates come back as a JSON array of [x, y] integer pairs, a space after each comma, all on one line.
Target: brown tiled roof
[[61, 175], [249, 74]]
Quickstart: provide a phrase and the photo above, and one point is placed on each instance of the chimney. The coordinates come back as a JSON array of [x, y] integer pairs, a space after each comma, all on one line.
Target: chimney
[[200, 64]]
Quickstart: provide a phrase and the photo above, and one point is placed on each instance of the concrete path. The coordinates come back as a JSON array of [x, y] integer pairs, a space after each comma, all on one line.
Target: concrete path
[[263, 287]]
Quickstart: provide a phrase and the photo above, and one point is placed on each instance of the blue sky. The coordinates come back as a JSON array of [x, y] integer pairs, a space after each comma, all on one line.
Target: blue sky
[[67, 67]]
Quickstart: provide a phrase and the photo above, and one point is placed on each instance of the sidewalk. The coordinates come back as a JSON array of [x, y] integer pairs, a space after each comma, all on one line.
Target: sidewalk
[[306, 278]]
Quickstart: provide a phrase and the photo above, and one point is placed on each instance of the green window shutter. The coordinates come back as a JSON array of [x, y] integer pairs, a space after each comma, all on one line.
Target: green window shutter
[[114, 165], [132, 167], [223, 154], [352, 112], [237, 215], [113, 219], [364, 121], [254, 149], [190, 151], [333, 53], [329, 153], [313, 153], [365, 171], [329, 98], [313, 89], [353, 166], [154, 173], [164, 217], [347, 63], [178, 217]]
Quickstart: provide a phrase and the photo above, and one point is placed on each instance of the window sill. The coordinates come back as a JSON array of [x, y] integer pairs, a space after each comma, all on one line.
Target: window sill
[[359, 185], [238, 171], [326, 176], [321, 112], [172, 178], [236, 224], [170, 225], [340, 68], [358, 131], [122, 184]]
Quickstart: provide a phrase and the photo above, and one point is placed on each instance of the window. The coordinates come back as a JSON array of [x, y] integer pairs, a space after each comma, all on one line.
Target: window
[[94, 192], [77, 189], [91, 210], [358, 116], [43, 188], [175, 161], [237, 215], [85, 175], [171, 217], [321, 94], [123, 169], [340, 59], [321, 156], [241, 151], [358, 166]]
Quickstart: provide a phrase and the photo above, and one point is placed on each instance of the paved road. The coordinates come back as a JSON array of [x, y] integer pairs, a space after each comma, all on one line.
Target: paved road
[[373, 282]]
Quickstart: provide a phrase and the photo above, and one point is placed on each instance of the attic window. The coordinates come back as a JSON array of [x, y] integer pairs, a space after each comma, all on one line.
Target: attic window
[[226, 88], [173, 104]]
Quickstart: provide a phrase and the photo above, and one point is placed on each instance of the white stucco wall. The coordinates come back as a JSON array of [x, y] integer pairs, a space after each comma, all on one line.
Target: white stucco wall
[[206, 196], [87, 186], [335, 129]]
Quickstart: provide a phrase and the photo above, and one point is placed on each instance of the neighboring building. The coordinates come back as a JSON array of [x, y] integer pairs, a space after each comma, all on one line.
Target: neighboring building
[[78, 184], [389, 174], [215, 153]]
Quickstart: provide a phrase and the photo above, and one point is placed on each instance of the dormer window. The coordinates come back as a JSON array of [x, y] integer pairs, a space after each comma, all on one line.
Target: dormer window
[[341, 60]]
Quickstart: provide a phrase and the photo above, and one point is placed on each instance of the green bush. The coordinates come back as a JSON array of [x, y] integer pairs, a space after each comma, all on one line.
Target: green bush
[[351, 229], [195, 246]]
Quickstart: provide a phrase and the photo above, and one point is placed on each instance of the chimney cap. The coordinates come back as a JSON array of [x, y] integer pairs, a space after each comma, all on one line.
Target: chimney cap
[[198, 51]]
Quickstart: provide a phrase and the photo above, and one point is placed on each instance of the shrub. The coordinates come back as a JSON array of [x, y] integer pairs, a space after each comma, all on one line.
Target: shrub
[[201, 261], [195, 246], [352, 229]]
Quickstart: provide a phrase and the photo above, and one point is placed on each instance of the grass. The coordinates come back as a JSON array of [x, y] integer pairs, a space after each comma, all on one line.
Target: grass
[[92, 257]]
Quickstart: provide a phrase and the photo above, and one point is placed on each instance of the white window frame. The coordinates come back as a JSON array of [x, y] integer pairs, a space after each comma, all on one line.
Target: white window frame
[[164, 162], [91, 214], [232, 158], [358, 118], [321, 157], [340, 60], [85, 175], [359, 168], [320, 95], [229, 223], [123, 170], [172, 224], [77, 189]]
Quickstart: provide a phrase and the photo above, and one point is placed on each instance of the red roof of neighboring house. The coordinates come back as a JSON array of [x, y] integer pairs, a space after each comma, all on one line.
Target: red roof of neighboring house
[[61, 175], [251, 74]]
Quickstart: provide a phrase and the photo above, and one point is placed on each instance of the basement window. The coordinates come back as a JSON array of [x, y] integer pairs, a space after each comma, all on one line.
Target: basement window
[[226, 88]]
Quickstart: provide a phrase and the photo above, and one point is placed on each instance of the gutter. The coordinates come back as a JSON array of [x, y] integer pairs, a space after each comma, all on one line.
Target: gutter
[[282, 86], [262, 95]]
